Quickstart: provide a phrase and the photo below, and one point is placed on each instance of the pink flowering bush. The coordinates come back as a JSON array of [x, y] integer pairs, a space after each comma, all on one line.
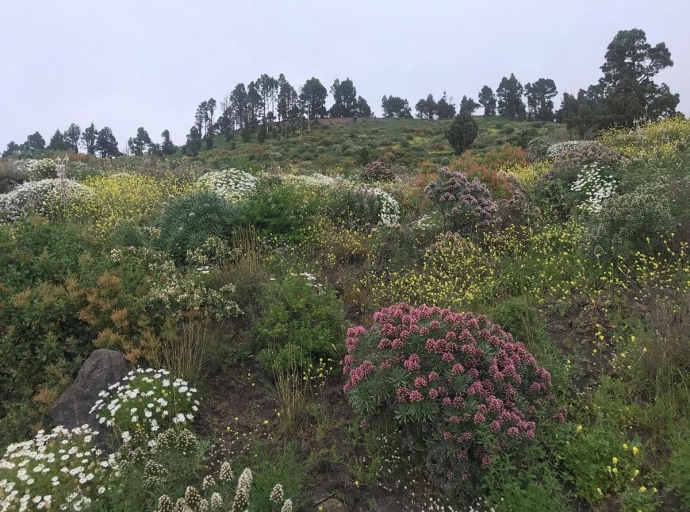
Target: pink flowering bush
[[465, 203], [460, 384]]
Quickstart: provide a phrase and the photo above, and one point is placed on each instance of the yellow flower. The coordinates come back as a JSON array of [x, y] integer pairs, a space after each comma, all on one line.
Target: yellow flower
[[265, 422], [615, 470], [635, 450], [654, 489], [625, 446], [579, 428], [637, 472], [643, 488], [615, 460]]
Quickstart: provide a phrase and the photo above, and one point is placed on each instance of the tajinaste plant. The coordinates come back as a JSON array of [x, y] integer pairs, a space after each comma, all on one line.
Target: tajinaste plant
[[460, 384]]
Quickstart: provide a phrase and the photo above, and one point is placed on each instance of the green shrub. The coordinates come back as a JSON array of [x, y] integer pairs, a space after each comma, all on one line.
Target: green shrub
[[628, 223], [282, 209], [348, 206], [189, 221], [302, 322], [678, 469], [600, 460], [519, 319]]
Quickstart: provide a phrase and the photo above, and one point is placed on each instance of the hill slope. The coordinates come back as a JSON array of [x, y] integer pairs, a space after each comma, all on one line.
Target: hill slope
[[344, 144]]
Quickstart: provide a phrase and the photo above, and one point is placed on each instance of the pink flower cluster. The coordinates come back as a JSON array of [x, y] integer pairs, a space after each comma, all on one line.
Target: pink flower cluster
[[476, 373]]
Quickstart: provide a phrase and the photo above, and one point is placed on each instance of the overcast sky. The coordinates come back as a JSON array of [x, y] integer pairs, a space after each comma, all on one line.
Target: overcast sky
[[131, 63]]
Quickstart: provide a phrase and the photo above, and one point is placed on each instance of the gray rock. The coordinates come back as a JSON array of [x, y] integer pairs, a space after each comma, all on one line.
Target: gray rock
[[102, 368]]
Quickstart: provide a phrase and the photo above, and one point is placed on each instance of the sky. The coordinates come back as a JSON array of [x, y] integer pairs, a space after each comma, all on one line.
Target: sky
[[131, 63]]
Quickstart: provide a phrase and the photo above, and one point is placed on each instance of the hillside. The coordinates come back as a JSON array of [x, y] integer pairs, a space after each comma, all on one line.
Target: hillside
[[379, 341], [344, 144]]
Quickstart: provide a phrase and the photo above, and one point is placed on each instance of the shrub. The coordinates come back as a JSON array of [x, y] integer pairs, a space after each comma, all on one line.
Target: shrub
[[302, 321], [537, 149], [466, 205], [45, 197], [555, 150], [594, 184], [462, 132], [600, 460], [187, 222], [377, 171], [459, 384], [230, 184], [556, 186], [146, 401], [352, 207], [36, 170], [389, 208], [629, 222], [58, 471], [121, 198], [678, 468]]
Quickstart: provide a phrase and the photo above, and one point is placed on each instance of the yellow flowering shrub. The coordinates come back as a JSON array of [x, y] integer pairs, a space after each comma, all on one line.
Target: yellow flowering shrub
[[121, 197], [654, 139]]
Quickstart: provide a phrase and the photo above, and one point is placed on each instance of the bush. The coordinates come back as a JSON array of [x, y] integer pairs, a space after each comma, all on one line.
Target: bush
[[377, 171], [282, 209], [187, 222], [35, 170], [462, 132], [628, 223], [678, 469], [351, 207], [466, 205], [230, 184], [556, 187], [146, 401], [58, 471], [45, 197], [457, 383], [302, 321], [537, 149], [121, 197]]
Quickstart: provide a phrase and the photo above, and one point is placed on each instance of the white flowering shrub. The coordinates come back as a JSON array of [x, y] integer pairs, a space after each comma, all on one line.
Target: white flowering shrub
[[60, 470], [555, 150], [146, 401], [33, 169], [315, 180], [44, 197], [232, 184], [595, 183], [390, 208]]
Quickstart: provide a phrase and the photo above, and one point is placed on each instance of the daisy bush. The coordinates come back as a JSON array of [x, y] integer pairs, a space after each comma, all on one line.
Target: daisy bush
[[389, 212], [60, 470], [146, 400], [461, 385], [44, 197], [37, 169], [594, 183], [232, 184]]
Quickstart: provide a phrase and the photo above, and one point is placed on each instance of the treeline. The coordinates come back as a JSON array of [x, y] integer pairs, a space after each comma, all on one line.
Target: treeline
[[272, 107]]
